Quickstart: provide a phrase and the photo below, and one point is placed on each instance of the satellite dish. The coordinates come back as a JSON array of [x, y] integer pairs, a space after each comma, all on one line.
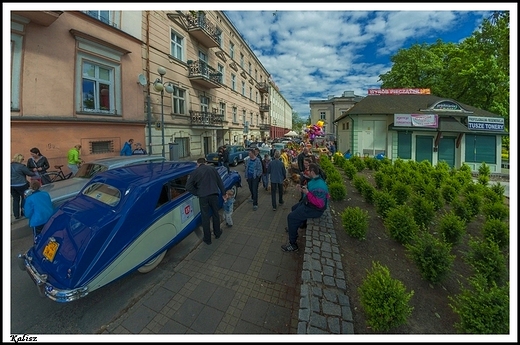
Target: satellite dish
[[141, 79]]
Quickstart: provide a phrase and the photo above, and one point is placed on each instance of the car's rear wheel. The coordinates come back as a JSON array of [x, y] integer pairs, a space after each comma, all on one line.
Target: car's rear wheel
[[235, 189], [235, 161], [150, 265]]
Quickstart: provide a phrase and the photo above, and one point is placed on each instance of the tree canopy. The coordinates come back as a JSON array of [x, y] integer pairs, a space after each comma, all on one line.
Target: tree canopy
[[474, 71]]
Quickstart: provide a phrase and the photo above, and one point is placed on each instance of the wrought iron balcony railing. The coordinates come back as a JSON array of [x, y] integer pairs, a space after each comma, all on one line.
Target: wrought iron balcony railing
[[263, 87], [206, 118], [203, 73], [264, 107]]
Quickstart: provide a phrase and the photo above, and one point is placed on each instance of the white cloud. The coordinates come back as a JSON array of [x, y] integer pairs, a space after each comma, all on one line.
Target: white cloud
[[312, 54]]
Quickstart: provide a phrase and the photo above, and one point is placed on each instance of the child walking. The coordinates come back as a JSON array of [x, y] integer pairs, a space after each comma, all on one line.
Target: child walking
[[229, 200]]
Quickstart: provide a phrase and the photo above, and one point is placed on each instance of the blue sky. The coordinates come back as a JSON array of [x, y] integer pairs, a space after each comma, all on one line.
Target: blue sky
[[327, 49]]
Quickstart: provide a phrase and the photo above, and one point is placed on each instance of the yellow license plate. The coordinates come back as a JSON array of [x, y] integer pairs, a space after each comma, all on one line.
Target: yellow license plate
[[215, 158], [50, 250]]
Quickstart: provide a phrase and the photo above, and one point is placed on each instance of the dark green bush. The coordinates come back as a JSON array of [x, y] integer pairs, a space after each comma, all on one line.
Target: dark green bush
[[473, 204], [359, 182], [368, 191], [355, 222], [433, 193], [482, 309], [384, 299], [451, 228], [401, 192], [449, 192], [337, 191], [497, 231], [499, 189], [460, 208], [423, 210], [497, 210], [487, 260], [384, 201], [400, 224], [431, 256], [333, 176], [350, 169], [358, 162]]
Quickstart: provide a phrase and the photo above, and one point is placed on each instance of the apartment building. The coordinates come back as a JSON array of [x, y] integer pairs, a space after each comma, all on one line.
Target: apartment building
[[180, 82]]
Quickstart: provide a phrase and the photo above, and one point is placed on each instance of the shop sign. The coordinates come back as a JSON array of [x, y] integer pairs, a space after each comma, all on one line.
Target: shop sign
[[398, 91], [486, 123], [416, 120]]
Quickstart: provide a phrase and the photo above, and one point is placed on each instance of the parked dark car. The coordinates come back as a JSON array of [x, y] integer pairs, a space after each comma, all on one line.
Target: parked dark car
[[123, 220], [237, 154]]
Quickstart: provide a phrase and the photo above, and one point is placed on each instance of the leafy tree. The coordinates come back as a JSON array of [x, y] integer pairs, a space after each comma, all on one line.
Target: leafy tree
[[474, 72], [297, 122]]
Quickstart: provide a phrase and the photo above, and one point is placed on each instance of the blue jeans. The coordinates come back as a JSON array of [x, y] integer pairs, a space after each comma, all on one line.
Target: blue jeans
[[253, 188], [298, 216], [265, 180], [209, 210]]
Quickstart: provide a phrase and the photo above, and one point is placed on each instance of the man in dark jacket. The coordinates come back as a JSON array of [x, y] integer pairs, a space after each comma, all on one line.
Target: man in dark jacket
[[205, 182]]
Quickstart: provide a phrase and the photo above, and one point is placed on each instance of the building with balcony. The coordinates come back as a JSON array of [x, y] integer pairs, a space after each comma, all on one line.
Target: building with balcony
[[181, 82], [281, 113], [330, 109]]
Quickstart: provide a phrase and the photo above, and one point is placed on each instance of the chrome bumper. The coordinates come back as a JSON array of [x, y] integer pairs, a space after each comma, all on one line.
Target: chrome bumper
[[44, 288]]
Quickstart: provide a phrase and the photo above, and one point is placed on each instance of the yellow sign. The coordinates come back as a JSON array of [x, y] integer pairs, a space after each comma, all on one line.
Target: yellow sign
[[50, 250]]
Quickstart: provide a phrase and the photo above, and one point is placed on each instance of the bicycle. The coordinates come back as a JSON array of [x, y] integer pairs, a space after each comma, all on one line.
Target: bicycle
[[58, 175]]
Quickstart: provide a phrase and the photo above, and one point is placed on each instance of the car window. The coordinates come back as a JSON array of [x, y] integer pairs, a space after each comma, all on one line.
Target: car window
[[103, 192], [172, 190], [88, 170]]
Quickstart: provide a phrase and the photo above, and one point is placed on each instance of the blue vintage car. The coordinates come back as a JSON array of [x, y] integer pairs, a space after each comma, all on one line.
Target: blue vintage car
[[237, 154], [123, 220]]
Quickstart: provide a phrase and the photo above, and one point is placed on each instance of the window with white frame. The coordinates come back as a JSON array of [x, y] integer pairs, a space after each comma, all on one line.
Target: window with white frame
[[16, 69], [219, 37], [243, 88], [256, 96], [322, 115], [257, 121], [251, 93], [233, 82], [249, 68], [179, 100], [97, 88], [256, 72], [251, 119], [244, 116], [231, 50], [184, 147], [204, 103], [241, 60], [222, 109], [97, 78], [234, 113], [103, 16], [176, 45]]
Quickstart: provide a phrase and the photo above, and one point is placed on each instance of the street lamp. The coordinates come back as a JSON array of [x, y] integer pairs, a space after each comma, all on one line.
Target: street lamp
[[159, 86]]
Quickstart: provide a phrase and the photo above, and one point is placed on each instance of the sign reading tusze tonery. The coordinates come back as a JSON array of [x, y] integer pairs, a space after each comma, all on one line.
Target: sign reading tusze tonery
[[416, 120], [486, 123]]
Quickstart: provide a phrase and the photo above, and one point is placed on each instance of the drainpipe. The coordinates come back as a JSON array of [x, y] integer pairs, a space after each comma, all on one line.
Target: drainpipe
[[352, 135], [148, 100]]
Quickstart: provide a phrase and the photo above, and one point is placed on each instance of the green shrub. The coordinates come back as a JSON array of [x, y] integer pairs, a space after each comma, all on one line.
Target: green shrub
[[497, 231], [423, 210], [483, 180], [431, 256], [473, 204], [384, 201], [400, 224], [333, 176], [337, 191], [433, 194], [384, 299], [492, 196], [484, 170], [358, 181], [461, 210], [487, 260], [497, 210], [482, 309], [350, 169], [449, 192], [451, 228], [368, 191], [499, 189], [355, 222], [401, 192], [358, 162]]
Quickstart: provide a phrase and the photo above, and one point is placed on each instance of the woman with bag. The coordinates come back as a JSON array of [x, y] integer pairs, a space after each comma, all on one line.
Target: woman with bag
[[38, 164]]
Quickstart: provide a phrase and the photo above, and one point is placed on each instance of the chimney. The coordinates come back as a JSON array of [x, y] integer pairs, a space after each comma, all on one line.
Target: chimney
[[348, 94]]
